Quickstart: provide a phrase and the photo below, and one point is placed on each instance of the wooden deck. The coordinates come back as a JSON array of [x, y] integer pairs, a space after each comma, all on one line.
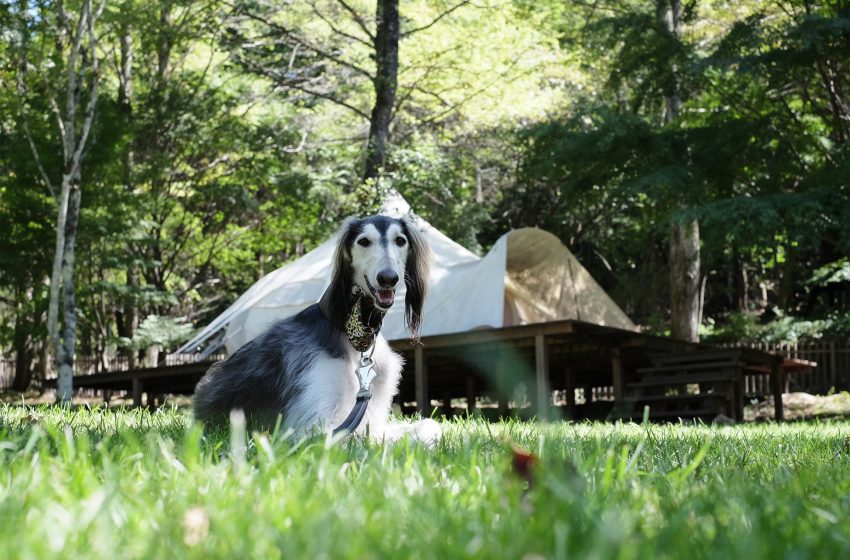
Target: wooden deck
[[592, 370]]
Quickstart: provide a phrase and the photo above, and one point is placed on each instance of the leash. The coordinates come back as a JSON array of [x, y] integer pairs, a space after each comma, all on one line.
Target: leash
[[365, 374], [365, 339]]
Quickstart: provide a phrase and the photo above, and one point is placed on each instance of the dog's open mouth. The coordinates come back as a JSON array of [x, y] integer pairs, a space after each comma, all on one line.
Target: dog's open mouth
[[383, 297]]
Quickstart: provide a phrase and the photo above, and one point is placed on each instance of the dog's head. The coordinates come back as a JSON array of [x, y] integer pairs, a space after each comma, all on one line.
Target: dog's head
[[375, 254]]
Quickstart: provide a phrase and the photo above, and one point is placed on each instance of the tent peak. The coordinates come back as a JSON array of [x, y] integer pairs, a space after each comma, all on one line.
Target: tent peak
[[394, 205]]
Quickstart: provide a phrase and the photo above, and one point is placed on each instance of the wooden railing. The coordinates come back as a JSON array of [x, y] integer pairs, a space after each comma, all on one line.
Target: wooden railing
[[89, 365], [831, 373], [833, 364]]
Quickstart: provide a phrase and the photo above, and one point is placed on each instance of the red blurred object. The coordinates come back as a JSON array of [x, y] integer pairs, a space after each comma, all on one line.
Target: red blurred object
[[523, 463]]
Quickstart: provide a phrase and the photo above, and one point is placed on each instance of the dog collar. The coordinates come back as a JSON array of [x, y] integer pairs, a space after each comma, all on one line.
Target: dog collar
[[361, 335]]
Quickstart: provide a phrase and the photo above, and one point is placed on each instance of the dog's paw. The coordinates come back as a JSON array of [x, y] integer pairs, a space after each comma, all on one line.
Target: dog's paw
[[428, 432]]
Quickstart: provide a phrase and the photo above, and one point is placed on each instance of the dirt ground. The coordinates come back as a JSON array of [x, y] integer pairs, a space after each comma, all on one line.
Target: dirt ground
[[801, 406]]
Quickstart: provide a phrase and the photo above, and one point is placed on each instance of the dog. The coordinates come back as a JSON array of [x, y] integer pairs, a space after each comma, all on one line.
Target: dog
[[302, 368]]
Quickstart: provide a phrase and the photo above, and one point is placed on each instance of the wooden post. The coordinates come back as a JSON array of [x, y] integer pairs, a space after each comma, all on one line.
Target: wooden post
[[833, 365], [570, 384], [617, 379], [738, 394], [421, 378], [501, 386], [137, 392], [776, 383], [541, 365], [470, 394]]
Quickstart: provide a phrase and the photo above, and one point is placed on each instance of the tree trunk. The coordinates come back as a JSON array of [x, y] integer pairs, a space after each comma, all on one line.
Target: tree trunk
[[67, 349], [56, 274], [669, 12], [386, 81], [131, 315], [23, 353], [42, 362], [685, 281], [82, 71], [685, 308]]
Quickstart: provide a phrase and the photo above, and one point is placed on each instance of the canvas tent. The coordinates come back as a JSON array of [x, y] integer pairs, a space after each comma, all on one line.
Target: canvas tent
[[527, 277]]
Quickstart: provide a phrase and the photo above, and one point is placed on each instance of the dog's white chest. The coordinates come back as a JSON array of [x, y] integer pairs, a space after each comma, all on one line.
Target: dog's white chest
[[329, 390]]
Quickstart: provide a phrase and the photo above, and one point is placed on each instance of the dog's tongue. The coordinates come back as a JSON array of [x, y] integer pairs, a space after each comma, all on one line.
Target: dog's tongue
[[386, 297]]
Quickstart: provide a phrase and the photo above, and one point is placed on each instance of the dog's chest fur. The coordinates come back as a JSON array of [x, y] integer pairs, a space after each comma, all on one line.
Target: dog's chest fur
[[327, 391]]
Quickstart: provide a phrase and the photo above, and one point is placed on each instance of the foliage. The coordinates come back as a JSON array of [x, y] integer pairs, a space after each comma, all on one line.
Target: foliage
[[831, 273], [747, 327], [229, 139], [102, 483], [758, 154], [164, 332]]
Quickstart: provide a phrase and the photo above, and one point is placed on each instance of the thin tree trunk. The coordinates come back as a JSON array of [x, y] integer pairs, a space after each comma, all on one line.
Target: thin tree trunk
[[386, 82], [82, 61], [67, 349], [685, 281], [685, 297], [56, 274], [130, 316], [23, 352]]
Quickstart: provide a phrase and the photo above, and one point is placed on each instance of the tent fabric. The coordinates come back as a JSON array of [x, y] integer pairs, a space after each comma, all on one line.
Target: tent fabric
[[527, 277], [545, 282]]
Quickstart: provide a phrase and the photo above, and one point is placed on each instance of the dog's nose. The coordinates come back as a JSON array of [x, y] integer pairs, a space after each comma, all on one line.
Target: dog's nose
[[387, 278]]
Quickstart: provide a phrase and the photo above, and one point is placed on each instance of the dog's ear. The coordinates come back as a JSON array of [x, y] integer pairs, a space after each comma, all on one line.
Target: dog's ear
[[416, 274], [336, 301]]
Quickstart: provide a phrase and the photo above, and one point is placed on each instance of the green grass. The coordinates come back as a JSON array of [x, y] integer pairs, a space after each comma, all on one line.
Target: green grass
[[129, 484]]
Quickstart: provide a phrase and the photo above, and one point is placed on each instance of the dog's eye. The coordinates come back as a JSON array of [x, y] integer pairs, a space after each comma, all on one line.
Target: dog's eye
[[400, 241], [364, 242]]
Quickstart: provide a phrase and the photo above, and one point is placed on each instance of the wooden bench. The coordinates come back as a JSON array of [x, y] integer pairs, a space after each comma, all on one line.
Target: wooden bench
[[697, 384]]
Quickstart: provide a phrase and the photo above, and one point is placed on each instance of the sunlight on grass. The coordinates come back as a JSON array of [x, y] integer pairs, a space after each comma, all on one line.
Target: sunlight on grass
[[133, 484]]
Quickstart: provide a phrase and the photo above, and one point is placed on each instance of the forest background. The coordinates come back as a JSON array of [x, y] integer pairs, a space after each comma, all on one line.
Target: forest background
[[157, 157]]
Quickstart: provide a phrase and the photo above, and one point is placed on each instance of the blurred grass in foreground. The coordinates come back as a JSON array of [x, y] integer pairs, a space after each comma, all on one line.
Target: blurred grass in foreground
[[132, 484]]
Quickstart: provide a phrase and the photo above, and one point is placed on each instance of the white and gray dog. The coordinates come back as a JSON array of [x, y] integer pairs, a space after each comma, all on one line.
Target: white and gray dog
[[303, 367]]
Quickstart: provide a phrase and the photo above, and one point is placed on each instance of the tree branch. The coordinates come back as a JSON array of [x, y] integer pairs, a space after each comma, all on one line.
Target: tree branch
[[19, 78], [358, 19], [88, 116], [338, 31], [596, 6], [34, 150], [474, 94], [415, 87], [310, 46], [70, 94], [435, 20], [294, 85]]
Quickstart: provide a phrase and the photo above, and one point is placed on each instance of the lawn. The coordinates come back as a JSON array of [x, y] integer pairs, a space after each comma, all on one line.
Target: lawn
[[131, 484]]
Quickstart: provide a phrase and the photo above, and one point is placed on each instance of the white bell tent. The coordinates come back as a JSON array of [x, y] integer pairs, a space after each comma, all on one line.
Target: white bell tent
[[527, 277]]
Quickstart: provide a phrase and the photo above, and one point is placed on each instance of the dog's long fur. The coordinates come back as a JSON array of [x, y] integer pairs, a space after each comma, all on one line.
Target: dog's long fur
[[302, 368]]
